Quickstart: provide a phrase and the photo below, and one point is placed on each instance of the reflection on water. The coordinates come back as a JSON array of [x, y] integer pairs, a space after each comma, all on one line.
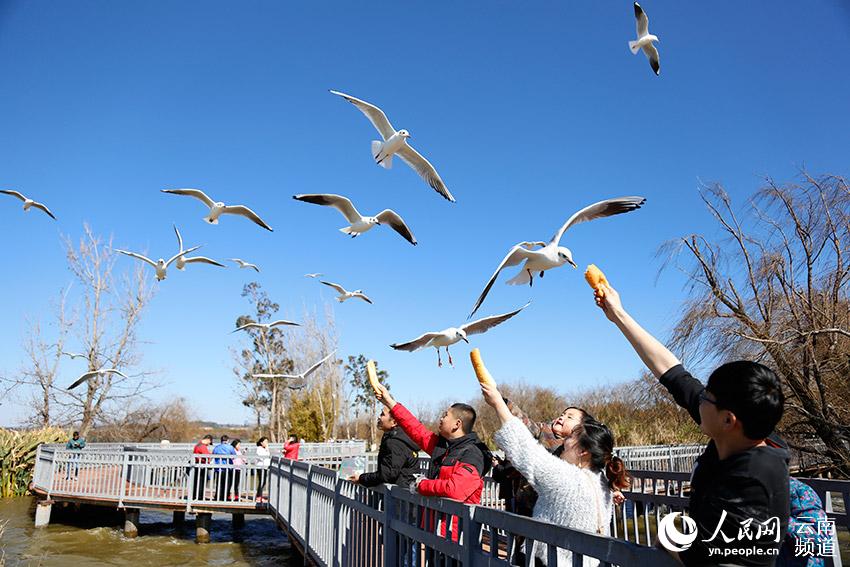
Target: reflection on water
[[93, 536]]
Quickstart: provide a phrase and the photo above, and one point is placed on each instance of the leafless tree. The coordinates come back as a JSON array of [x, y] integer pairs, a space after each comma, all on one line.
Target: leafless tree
[[773, 288]]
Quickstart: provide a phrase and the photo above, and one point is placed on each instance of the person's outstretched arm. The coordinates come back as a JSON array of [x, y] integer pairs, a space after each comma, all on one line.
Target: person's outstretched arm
[[417, 432], [655, 355]]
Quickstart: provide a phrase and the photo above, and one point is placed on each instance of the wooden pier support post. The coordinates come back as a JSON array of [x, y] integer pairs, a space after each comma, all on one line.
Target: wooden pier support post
[[202, 527], [179, 519], [42, 513], [238, 520], [131, 522]]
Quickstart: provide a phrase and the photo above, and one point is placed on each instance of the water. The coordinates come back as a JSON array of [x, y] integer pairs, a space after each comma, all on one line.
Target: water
[[93, 537]]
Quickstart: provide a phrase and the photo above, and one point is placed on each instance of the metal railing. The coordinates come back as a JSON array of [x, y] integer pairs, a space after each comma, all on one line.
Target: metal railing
[[306, 450]]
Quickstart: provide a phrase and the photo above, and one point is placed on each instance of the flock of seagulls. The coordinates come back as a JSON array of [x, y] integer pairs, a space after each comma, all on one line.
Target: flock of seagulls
[[536, 257]]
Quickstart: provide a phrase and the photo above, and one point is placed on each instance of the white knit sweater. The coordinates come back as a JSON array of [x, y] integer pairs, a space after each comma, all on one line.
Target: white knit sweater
[[568, 495]]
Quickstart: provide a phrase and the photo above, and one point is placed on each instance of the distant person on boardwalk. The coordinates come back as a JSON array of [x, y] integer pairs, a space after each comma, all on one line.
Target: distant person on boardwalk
[[741, 479], [200, 481], [398, 456], [459, 460], [75, 444], [238, 463], [223, 475], [263, 460], [291, 447]]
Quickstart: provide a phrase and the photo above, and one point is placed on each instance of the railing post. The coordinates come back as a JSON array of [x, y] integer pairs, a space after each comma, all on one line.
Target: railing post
[[123, 489], [335, 533], [289, 506], [307, 517], [471, 533], [52, 474], [190, 487], [390, 539], [670, 453]]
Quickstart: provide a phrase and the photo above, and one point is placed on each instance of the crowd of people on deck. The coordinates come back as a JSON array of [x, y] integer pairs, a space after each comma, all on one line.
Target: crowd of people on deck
[[565, 471]]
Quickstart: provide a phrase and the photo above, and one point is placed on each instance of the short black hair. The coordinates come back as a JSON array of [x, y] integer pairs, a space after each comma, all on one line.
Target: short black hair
[[207, 436], [260, 440], [225, 438], [235, 442], [466, 414], [751, 391]]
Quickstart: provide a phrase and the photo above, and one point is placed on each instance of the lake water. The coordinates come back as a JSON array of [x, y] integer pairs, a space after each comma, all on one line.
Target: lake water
[[93, 536]]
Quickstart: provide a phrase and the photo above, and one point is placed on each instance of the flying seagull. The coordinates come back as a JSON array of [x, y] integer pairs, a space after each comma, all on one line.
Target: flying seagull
[[93, 373], [73, 355], [244, 264], [266, 326], [316, 275], [217, 208], [182, 260], [343, 294], [160, 265], [296, 380], [551, 255], [358, 223], [28, 202], [452, 335], [395, 143], [645, 39]]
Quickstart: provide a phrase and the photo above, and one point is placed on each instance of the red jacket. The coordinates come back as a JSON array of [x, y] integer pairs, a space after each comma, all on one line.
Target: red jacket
[[201, 449], [290, 450], [457, 465]]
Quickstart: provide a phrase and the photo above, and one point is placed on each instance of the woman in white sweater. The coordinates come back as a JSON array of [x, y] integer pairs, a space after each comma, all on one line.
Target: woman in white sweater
[[263, 459], [574, 489]]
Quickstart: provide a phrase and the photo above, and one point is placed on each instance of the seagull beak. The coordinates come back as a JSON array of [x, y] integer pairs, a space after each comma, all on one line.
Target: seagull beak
[[465, 340], [573, 264]]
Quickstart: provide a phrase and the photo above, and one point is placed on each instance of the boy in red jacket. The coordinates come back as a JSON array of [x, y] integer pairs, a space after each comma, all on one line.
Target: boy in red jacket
[[459, 459]]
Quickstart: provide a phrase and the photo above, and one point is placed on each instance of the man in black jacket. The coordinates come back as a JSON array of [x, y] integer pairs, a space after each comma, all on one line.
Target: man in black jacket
[[398, 456], [739, 501]]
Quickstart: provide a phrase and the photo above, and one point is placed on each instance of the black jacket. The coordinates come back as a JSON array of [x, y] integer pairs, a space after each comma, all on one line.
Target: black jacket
[[467, 449], [398, 460], [752, 484]]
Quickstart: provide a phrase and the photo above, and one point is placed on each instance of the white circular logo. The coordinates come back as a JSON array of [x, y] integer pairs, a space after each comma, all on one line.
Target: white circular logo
[[670, 536]]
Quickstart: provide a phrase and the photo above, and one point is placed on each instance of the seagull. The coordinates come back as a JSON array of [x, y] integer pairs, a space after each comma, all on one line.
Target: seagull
[[358, 223], [452, 335], [28, 202], [94, 373], [299, 380], [645, 39], [316, 275], [160, 265], [73, 355], [266, 326], [218, 208], [182, 260], [343, 294], [551, 255], [244, 264], [395, 143]]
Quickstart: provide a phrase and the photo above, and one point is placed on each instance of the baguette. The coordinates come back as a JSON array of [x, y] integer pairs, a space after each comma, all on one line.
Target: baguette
[[480, 370], [373, 376], [595, 278]]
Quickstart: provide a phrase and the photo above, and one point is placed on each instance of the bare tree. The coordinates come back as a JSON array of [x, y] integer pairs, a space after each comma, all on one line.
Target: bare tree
[[773, 288]]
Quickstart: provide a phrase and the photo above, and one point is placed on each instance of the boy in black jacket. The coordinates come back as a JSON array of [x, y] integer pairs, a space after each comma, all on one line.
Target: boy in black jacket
[[398, 456], [739, 486]]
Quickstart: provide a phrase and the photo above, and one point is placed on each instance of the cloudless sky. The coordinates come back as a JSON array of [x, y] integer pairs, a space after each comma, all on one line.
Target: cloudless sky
[[529, 111]]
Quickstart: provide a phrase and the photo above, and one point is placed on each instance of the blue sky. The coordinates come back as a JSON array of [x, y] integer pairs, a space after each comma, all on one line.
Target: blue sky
[[528, 110]]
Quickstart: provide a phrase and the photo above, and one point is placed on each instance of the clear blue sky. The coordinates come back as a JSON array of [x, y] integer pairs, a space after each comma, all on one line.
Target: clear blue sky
[[528, 110]]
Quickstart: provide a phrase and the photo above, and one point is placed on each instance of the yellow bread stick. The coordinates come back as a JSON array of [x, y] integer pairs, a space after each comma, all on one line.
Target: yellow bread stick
[[595, 278], [480, 370], [373, 376]]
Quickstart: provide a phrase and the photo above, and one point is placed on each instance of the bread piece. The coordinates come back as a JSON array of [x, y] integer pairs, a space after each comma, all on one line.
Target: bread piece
[[373, 376], [595, 277], [480, 370]]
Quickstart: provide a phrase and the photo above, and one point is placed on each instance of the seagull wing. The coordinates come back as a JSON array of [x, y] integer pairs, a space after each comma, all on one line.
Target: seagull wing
[[651, 53], [417, 343], [196, 193], [83, 378], [375, 115], [138, 257], [13, 194], [393, 219], [598, 210], [516, 255], [296, 383], [179, 238], [203, 260], [315, 366], [532, 245], [244, 211], [280, 322], [363, 297], [251, 325], [337, 287], [44, 208], [340, 203], [425, 170], [183, 253], [642, 21], [487, 323], [113, 371], [313, 275]]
